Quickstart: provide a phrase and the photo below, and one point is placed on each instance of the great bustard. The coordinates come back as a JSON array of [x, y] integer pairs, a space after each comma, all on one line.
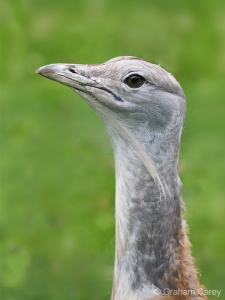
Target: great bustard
[[143, 108]]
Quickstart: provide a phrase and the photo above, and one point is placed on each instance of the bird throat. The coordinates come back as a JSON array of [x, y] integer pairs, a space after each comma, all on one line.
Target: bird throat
[[151, 240]]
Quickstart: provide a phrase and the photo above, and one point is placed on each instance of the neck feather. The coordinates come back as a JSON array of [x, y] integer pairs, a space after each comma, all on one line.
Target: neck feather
[[152, 248]]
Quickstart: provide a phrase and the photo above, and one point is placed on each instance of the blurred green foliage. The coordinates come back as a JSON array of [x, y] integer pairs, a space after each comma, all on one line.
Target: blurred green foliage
[[57, 172]]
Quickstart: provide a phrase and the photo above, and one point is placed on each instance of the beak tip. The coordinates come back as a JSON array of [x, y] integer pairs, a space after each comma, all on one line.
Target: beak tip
[[39, 71], [46, 71]]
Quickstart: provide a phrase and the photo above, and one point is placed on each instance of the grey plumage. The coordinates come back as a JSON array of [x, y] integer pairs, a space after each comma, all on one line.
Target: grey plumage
[[143, 108]]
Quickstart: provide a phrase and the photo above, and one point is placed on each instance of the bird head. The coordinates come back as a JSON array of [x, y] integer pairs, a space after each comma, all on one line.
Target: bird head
[[128, 90]]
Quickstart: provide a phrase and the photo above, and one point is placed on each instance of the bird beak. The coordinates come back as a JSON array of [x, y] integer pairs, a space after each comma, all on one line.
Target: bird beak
[[66, 74], [50, 71], [74, 77]]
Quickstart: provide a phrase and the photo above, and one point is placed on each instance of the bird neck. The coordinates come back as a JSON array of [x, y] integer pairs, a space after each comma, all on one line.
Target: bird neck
[[152, 248]]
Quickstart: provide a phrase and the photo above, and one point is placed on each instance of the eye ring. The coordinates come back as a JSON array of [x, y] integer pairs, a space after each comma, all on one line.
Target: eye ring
[[134, 81]]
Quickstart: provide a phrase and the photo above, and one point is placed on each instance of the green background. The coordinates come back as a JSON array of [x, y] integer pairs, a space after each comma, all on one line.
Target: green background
[[57, 170]]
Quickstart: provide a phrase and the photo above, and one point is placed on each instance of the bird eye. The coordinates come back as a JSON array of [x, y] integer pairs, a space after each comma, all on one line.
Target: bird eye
[[134, 81]]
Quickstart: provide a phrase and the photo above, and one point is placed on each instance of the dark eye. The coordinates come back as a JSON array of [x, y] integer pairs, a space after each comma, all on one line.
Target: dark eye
[[134, 81]]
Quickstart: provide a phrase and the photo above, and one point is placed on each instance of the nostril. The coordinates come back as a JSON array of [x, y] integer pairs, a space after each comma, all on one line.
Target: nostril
[[72, 70]]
